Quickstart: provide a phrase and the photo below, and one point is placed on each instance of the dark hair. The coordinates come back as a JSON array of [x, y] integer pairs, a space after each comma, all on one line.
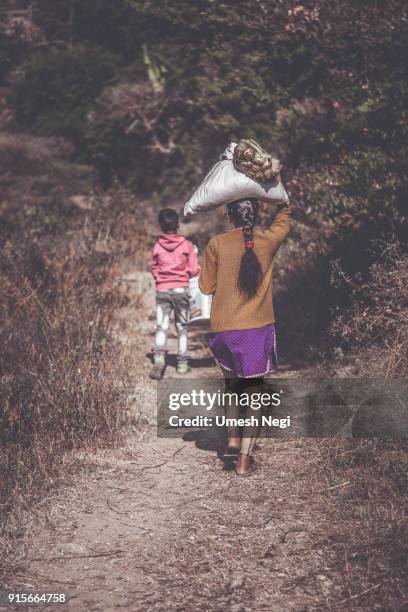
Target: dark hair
[[245, 213], [168, 220]]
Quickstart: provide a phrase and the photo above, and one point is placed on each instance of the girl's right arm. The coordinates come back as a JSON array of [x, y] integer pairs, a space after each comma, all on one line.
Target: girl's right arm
[[208, 276], [279, 228]]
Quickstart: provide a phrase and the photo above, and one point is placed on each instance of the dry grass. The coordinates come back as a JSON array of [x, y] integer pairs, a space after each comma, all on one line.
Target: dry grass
[[374, 334], [59, 387], [375, 329], [61, 384], [373, 507]]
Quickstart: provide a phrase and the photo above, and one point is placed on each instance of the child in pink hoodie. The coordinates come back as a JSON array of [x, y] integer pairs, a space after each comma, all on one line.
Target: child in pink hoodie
[[174, 263]]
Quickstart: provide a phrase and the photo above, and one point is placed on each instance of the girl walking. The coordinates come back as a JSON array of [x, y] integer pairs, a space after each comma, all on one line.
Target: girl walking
[[237, 271]]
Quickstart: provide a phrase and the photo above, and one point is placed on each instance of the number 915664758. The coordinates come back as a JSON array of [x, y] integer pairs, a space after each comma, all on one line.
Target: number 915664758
[[32, 598]]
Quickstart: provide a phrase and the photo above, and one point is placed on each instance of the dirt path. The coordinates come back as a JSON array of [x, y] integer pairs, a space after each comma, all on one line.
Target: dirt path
[[159, 525]]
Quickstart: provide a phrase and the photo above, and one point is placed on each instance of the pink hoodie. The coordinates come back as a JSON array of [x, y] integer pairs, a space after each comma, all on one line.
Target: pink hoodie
[[174, 262]]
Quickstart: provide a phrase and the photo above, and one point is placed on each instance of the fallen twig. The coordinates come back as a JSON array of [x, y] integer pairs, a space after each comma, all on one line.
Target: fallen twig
[[356, 596], [343, 484], [177, 451], [114, 509], [186, 501], [102, 554], [152, 467]]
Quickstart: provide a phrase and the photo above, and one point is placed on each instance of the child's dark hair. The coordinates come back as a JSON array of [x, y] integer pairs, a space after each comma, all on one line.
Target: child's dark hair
[[168, 220], [245, 213]]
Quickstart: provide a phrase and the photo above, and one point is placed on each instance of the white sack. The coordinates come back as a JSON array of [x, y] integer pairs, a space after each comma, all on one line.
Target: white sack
[[224, 184], [200, 304]]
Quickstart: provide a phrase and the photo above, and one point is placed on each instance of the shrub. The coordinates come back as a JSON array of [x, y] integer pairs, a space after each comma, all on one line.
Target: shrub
[[58, 377], [58, 88], [376, 326]]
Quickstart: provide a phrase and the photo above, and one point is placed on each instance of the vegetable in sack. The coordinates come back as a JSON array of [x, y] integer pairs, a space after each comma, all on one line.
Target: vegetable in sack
[[251, 159]]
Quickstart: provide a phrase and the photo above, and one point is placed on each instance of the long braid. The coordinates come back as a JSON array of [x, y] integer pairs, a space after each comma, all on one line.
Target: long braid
[[248, 222], [244, 213]]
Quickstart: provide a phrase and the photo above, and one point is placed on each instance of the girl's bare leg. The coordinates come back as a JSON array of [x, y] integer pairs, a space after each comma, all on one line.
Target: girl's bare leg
[[231, 411], [250, 433]]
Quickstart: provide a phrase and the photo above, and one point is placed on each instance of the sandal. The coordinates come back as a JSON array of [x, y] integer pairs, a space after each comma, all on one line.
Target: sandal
[[231, 453], [252, 469], [157, 372], [230, 457]]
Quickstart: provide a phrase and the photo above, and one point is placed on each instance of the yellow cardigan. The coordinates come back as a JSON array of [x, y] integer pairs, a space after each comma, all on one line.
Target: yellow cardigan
[[219, 273]]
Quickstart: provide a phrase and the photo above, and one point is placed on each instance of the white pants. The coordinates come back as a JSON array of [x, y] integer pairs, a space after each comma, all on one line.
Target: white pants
[[172, 300]]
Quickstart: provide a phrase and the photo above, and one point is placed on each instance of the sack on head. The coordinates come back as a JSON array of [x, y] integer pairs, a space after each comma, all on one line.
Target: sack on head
[[227, 182]]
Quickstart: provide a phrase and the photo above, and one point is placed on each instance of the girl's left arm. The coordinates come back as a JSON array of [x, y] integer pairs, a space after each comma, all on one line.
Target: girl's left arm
[[208, 277]]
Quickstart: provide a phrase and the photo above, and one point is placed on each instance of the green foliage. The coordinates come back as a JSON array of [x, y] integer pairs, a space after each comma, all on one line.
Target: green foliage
[[155, 71], [58, 89]]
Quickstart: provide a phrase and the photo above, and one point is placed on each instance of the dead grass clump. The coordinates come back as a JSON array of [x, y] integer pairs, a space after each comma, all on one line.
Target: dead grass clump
[[61, 387], [375, 329], [59, 384], [373, 508]]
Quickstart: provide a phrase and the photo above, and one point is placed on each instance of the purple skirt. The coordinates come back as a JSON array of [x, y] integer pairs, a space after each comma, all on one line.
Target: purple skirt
[[247, 353]]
